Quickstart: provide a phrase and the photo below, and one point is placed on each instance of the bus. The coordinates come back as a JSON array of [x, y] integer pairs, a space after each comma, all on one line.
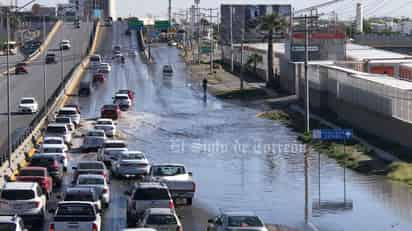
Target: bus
[[11, 46]]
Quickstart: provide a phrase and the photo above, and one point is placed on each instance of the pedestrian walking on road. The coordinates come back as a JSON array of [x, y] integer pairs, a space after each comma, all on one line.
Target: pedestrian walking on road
[[204, 84]]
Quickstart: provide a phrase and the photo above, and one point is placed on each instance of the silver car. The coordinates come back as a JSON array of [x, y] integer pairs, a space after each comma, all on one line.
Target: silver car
[[236, 221], [130, 164], [94, 139]]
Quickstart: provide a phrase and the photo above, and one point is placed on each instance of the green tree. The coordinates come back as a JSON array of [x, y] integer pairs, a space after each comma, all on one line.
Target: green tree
[[367, 26], [253, 60], [272, 23]]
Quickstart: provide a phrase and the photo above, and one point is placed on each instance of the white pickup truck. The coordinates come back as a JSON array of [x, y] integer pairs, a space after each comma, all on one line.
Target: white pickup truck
[[180, 182], [76, 215]]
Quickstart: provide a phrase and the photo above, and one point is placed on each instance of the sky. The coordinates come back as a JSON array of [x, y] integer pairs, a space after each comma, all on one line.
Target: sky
[[345, 8]]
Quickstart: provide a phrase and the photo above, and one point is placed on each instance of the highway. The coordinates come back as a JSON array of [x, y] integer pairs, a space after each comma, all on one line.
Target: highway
[[32, 84]]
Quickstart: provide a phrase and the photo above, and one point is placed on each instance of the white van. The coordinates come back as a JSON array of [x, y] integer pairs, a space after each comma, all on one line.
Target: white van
[[95, 61]]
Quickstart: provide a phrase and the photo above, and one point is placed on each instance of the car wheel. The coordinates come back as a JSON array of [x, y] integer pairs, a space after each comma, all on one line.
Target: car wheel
[[189, 201]]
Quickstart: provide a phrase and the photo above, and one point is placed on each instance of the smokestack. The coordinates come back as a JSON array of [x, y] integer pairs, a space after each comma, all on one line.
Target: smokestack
[[359, 18]]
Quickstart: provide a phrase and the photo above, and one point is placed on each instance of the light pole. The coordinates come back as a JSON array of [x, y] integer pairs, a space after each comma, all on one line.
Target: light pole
[[46, 108], [9, 141]]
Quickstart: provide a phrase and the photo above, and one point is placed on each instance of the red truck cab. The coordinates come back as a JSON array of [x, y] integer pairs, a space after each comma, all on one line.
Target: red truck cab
[[110, 111], [39, 175]]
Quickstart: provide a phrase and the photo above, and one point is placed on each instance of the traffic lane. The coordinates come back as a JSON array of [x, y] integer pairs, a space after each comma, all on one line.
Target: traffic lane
[[32, 84]]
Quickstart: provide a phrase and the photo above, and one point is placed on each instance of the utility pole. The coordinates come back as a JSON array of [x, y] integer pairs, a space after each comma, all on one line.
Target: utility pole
[[307, 122], [241, 59], [170, 12], [9, 139], [61, 59], [232, 65], [197, 23], [46, 108], [211, 40]]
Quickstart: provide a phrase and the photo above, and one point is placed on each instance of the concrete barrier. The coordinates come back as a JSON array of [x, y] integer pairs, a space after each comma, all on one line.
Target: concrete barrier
[[27, 148]]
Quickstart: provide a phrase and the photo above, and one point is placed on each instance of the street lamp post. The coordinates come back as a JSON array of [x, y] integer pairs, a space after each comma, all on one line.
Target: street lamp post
[[46, 108], [9, 138]]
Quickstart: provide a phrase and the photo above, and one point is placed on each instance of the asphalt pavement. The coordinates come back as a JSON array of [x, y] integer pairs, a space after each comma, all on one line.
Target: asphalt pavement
[[32, 84]]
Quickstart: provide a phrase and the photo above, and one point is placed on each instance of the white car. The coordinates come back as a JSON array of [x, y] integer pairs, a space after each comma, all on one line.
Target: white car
[[56, 150], [59, 130], [66, 212], [55, 140], [109, 130], [105, 68], [11, 223], [110, 144], [94, 139], [161, 219], [67, 121], [123, 100], [65, 45], [69, 112], [98, 183], [24, 199], [112, 154], [236, 221], [95, 61], [130, 164], [28, 105]]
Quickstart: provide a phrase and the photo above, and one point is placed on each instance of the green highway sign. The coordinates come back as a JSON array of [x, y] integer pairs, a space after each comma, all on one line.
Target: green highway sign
[[162, 25], [135, 24]]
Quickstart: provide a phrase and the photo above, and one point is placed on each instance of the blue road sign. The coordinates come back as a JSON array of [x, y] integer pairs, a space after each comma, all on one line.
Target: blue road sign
[[332, 134]]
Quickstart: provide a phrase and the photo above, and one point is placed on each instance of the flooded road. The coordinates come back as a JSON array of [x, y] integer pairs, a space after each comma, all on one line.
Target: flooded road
[[240, 162]]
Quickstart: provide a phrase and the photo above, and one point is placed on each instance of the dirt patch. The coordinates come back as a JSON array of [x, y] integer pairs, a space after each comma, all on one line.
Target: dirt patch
[[245, 94]]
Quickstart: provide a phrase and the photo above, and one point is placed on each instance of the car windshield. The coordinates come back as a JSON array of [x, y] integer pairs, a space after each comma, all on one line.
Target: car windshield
[[79, 197], [102, 127], [31, 172], [168, 170], [51, 141], [53, 150], [27, 101], [14, 194], [7, 226], [121, 97], [42, 162], [133, 156], [62, 120], [151, 194], [67, 112], [161, 219], [95, 58], [95, 133], [56, 129], [90, 166], [244, 221], [90, 180], [75, 210]]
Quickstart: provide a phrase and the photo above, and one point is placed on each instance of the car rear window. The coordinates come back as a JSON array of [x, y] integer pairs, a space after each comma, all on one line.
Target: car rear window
[[95, 133], [244, 221], [67, 112], [168, 170], [52, 150], [55, 129], [62, 120], [88, 180], [43, 162], [75, 210], [95, 59], [26, 101], [133, 156], [7, 227], [79, 197], [110, 107], [151, 194], [53, 142], [31, 172], [115, 145], [90, 166], [161, 219], [105, 122], [121, 97], [12, 194]]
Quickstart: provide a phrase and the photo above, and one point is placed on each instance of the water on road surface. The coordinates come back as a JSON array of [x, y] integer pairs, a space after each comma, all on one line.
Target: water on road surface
[[240, 162]]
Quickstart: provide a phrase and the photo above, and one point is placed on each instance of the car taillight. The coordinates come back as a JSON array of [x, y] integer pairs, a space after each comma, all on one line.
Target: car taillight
[[36, 204], [55, 166], [51, 227], [178, 228], [193, 186], [171, 204], [94, 227], [105, 190]]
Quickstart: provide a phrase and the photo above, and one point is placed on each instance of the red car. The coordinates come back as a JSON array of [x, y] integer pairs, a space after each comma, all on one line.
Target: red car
[[110, 111], [130, 93], [39, 175], [21, 70], [99, 78]]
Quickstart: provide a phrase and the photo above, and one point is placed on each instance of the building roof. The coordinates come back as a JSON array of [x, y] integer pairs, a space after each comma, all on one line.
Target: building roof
[[361, 52]]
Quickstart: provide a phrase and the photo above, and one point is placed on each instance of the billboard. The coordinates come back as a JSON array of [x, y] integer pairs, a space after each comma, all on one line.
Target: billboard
[[246, 18]]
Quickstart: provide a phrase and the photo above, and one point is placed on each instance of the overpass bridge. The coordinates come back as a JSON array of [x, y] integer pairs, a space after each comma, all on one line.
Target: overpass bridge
[[394, 42]]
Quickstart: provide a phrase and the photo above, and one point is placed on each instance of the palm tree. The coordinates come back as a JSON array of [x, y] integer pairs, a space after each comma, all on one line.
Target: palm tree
[[253, 60], [271, 23]]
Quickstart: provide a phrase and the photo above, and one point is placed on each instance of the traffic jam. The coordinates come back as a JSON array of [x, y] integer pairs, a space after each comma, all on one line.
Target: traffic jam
[[156, 189]]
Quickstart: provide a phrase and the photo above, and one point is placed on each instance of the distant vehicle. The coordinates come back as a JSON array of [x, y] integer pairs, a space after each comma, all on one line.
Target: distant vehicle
[[109, 130], [95, 61], [94, 139], [10, 47], [65, 45], [123, 101], [53, 165], [161, 219], [75, 106], [130, 93], [71, 112], [51, 58], [145, 195], [236, 221], [104, 68], [131, 164], [20, 69], [98, 183], [28, 105], [167, 70], [59, 130], [76, 215], [90, 167], [58, 151], [117, 49], [83, 194], [119, 19], [85, 88], [39, 175], [132, 53], [11, 223], [180, 182], [172, 43], [110, 111], [67, 121], [110, 155], [108, 22], [24, 199], [99, 78]]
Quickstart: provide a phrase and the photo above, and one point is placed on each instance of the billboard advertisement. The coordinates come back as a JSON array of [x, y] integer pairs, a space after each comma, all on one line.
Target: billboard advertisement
[[238, 18]]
